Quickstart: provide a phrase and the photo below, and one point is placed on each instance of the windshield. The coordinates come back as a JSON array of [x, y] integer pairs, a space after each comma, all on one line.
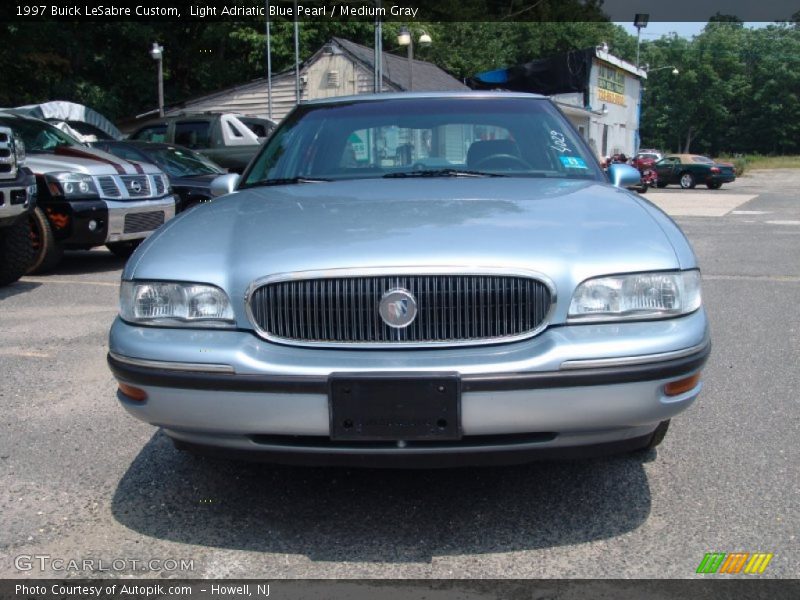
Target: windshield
[[438, 137], [40, 136], [180, 162]]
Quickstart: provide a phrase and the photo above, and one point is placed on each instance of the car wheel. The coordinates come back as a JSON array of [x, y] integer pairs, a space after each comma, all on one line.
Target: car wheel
[[658, 435], [47, 250], [714, 185], [16, 251], [687, 181], [123, 249], [661, 184]]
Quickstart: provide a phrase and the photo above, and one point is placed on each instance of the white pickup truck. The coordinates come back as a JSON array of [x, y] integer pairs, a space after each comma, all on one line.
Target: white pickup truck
[[86, 197]]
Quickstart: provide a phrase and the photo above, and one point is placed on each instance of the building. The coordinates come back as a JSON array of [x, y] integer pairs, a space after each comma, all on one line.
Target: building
[[339, 68], [599, 93]]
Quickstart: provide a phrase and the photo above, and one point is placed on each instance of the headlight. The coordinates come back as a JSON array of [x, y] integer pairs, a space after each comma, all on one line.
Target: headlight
[[70, 184], [637, 296], [187, 304], [19, 151], [165, 182]]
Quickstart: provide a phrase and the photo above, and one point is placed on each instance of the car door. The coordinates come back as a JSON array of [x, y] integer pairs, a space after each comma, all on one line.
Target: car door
[[666, 169]]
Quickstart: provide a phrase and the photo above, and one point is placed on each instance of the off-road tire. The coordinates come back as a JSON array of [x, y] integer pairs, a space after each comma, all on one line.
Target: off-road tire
[[47, 250], [16, 251], [658, 435], [123, 249]]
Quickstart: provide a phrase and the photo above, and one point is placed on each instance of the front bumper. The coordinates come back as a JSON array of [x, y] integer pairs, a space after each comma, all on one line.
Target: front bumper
[[119, 211], [554, 394], [17, 197]]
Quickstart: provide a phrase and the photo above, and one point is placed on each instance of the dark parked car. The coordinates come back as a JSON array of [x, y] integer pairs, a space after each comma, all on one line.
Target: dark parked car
[[227, 139], [688, 170], [190, 173]]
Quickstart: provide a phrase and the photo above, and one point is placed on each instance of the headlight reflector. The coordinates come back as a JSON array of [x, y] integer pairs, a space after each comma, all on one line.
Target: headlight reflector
[[170, 303], [71, 184], [636, 296]]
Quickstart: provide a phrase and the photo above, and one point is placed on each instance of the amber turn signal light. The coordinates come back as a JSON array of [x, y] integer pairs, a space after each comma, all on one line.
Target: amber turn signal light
[[673, 388], [132, 392]]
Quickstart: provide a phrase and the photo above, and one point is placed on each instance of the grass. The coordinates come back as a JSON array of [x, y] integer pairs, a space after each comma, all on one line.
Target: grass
[[756, 161]]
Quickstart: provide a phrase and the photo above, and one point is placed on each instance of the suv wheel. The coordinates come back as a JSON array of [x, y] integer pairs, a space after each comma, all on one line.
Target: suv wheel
[[47, 250], [16, 251], [123, 249]]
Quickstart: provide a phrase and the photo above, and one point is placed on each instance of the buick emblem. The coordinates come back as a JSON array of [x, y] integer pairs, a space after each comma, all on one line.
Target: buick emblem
[[136, 187], [398, 308]]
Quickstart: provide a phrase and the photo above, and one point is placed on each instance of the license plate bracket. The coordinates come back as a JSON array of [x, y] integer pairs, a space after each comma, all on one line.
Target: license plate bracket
[[393, 407]]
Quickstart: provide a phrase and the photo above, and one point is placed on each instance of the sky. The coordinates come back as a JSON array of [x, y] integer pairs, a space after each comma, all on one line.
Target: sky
[[687, 29]]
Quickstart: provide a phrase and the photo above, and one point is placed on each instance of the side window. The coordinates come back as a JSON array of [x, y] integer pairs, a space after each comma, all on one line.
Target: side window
[[193, 134], [154, 133], [234, 132]]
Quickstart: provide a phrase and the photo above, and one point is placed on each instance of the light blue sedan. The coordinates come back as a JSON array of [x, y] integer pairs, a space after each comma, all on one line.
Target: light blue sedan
[[415, 279]]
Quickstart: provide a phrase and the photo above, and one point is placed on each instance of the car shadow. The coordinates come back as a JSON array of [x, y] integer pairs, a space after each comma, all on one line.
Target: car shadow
[[18, 287], [381, 516], [80, 262]]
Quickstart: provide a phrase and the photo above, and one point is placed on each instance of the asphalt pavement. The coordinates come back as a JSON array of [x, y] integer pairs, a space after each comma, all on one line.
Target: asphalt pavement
[[81, 480]]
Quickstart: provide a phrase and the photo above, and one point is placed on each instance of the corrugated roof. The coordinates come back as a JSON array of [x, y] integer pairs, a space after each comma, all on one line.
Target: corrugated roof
[[427, 76]]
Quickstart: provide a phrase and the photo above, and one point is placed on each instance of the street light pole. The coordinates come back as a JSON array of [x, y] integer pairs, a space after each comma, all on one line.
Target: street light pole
[[640, 21], [157, 52], [405, 38]]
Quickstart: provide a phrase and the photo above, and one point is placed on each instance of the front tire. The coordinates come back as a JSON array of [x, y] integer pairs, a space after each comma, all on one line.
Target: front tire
[[123, 249], [16, 251], [687, 181], [47, 250], [658, 435]]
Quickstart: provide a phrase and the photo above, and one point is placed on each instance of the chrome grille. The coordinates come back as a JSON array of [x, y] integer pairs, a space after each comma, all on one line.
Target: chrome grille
[[143, 221], [108, 188], [455, 308], [136, 185]]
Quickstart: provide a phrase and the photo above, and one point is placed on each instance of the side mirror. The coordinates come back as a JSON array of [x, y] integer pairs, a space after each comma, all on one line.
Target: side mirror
[[224, 184], [623, 175]]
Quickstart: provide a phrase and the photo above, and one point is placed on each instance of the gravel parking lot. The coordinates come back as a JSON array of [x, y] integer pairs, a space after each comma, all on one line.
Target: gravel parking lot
[[79, 479]]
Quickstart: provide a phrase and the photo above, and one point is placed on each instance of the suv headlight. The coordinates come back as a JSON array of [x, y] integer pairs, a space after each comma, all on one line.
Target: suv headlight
[[636, 296], [172, 303], [19, 151], [70, 185]]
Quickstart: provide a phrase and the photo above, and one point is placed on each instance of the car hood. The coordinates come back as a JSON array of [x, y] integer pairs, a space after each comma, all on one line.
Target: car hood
[[199, 181], [85, 160], [567, 230]]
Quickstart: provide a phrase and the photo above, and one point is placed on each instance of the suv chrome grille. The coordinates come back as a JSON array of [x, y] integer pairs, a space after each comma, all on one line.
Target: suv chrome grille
[[8, 166], [143, 221], [457, 309], [137, 185], [108, 187]]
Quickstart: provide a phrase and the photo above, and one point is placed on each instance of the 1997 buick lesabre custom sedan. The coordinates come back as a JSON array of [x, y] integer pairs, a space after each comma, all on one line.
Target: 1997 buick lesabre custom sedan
[[416, 279]]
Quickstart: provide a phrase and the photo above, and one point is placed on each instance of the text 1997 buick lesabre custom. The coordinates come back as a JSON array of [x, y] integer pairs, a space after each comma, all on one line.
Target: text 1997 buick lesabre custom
[[427, 279]]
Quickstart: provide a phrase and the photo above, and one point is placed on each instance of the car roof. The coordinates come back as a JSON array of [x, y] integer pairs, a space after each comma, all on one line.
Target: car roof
[[422, 95]]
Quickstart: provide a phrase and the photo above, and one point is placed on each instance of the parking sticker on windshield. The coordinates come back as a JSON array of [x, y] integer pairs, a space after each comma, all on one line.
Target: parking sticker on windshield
[[573, 162]]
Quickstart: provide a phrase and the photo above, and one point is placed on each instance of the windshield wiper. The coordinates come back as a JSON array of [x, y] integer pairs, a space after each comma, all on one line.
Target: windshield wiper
[[443, 173], [287, 181]]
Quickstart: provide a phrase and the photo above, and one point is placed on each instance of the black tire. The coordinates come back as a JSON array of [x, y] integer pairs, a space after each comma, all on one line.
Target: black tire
[[123, 249], [661, 184], [16, 251], [642, 190], [47, 250], [687, 181], [714, 185], [658, 435]]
